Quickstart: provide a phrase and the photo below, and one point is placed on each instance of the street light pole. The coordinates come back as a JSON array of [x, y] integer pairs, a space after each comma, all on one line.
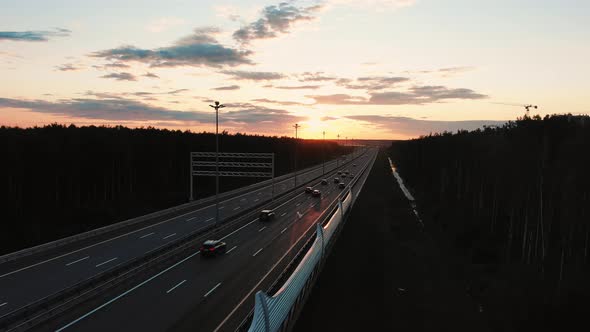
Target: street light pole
[[324, 149], [337, 155], [296, 126], [217, 106]]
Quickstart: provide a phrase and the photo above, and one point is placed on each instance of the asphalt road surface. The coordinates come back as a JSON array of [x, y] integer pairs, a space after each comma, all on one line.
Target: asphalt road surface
[[207, 294], [32, 278]]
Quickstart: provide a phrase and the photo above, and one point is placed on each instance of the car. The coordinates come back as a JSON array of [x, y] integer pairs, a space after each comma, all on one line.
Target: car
[[213, 248], [353, 165], [339, 172], [336, 180], [316, 193], [351, 175], [324, 181], [308, 189], [266, 215], [342, 185]]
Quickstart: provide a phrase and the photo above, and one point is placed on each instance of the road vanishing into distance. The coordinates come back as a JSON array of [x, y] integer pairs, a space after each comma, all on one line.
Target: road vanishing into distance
[[193, 293]]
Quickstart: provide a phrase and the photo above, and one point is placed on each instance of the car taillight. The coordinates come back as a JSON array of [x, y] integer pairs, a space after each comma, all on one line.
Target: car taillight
[[212, 249]]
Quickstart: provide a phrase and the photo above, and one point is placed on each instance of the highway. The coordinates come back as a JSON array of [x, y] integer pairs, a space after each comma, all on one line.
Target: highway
[[32, 278], [199, 294]]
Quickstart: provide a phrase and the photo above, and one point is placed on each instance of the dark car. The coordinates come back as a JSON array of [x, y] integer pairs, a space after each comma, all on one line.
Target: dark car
[[351, 175], [324, 181], [308, 189], [353, 165], [213, 248], [342, 185], [316, 193], [266, 215], [339, 172], [336, 180]]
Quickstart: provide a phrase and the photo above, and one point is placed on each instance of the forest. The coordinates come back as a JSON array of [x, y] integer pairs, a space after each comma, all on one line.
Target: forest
[[59, 180], [513, 202]]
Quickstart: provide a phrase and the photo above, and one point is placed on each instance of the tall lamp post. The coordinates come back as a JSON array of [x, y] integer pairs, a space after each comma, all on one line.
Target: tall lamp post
[[217, 106], [324, 149], [296, 126]]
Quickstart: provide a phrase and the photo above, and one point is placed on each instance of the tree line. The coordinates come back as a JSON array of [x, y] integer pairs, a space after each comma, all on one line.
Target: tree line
[[59, 180], [514, 201]]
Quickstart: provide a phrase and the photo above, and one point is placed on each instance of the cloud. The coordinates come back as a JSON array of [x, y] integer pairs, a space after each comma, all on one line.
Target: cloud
[[33, 36], [447, 72], [277, 102], [409, 127], [253, 75], [372, 82], [375, 4], [68, 67], [120, 76], [227, 88], [417, 95], [198, 49], [275, 20], [315, 77], [299, 87], [151, 75], [328, 118], [164, 23]]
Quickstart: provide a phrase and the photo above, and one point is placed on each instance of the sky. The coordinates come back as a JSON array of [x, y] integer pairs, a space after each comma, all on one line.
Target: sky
[[380, 69]]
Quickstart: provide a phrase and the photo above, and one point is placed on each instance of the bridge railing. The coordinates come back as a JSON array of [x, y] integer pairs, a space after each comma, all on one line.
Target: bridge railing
[[277, 312]]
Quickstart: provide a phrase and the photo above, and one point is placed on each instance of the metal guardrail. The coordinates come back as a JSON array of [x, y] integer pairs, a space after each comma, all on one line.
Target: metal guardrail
[[274, 312], [56, 303], [102, 230]]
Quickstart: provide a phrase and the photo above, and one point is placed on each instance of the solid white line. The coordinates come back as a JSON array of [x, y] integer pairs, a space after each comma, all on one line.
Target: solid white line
[[284, 213], [103, 263], [144, 236], [263, 228], [283, 231], [173, 288], [237, 208], [79, 260], [3, 304], [231, 250], [125, 293], [191, 218], [212, 289], [256, 253], [209, 219], [167, 236], [222, 207]]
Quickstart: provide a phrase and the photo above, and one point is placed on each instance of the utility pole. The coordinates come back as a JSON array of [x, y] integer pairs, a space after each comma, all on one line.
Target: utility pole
[[296, 126], [217, 106]]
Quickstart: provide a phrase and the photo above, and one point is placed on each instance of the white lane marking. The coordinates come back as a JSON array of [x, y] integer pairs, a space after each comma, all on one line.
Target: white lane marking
[[124, 293], [284, 230], [191, 218], [242, 200], [176, 286], [231, 250], [298, 203], [256, 200], [256, 253], [263, 228], [167, 236], [3, 304], [237, 208], [79, 260], [284, 213], [259, 193], [144, 236], [209, 219], [212, 289], [103, 263], [239, 229], [222, 207]]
